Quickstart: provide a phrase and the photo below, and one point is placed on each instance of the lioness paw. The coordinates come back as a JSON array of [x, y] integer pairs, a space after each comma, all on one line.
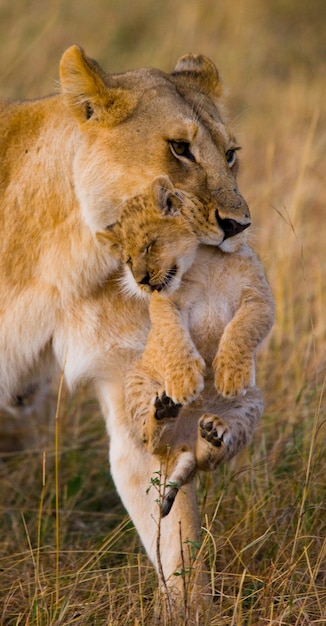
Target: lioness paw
[[232, 377], [186, 382]]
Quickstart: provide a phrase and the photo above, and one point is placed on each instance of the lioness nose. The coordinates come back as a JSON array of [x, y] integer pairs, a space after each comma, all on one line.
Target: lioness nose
[[230, 227]]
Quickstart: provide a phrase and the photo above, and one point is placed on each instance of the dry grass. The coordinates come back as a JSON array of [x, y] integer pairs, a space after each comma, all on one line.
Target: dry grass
[[68, 553]]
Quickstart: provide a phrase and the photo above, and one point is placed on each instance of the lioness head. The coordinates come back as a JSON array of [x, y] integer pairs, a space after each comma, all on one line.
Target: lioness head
[[153, 240], [131, 127]]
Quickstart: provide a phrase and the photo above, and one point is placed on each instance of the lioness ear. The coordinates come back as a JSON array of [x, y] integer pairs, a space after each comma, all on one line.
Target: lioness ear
[[201, 72], [165, 196], [90, 92]]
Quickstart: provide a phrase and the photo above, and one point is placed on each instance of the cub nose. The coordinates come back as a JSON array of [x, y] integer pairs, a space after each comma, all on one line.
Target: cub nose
[[145, 280], [230, 227]]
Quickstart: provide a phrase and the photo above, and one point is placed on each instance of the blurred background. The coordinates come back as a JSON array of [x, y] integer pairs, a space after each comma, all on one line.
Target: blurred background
[[272, 59]]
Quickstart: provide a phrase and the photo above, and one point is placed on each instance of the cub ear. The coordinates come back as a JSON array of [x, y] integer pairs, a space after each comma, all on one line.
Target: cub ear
[[110, 239], [90, 92], [200, 71], [165, 196]]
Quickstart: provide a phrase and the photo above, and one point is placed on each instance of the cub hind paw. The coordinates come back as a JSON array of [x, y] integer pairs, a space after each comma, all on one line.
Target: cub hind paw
[[214, 436], [165, 407], [214, 430]]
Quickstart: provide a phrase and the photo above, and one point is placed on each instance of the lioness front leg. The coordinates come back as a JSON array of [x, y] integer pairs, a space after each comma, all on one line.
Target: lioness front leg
[[171, 352], [167, 539]]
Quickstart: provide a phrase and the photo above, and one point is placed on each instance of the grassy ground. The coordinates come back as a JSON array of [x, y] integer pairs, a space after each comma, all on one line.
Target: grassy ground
[[68, 553]]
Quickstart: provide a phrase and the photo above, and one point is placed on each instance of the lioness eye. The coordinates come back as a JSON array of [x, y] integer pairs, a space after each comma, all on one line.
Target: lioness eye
[[231, 156], [182, 149]]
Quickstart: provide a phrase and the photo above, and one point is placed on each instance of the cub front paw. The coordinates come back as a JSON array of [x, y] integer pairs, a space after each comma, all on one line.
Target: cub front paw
[[233, 378], [187, 381]]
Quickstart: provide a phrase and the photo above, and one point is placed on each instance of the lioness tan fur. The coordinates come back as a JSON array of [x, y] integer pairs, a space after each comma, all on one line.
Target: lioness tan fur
[[68, 164], [70, 160], [134, 350]]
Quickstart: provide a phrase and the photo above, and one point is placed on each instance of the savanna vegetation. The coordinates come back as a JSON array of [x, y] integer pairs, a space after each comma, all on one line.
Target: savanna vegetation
[[68, 552]]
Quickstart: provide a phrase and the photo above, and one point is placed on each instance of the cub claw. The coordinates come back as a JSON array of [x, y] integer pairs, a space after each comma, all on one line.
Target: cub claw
[[213, 430]]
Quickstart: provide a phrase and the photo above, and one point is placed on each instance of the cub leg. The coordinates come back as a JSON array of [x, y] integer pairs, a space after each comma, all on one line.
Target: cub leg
[[234, 363], [203, 441], [223, 434], [153, 420], [184, 437], [171, 352], [212, 442], [234, 373], [151, 412]]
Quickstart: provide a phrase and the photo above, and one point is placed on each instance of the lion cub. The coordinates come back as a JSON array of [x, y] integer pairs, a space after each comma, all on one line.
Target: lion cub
[[158, 245], [164, 262]]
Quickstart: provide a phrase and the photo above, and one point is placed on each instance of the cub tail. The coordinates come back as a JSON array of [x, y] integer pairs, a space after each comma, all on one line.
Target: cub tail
[[184, 467]]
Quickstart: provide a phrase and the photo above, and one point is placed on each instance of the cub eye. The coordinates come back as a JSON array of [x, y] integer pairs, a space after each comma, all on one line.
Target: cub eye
[[88, 110], [182, 149], [149, 247], [231, 156]]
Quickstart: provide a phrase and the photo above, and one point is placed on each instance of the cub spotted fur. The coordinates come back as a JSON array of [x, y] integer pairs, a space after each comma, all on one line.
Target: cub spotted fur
[[69, 161], [158, 248]]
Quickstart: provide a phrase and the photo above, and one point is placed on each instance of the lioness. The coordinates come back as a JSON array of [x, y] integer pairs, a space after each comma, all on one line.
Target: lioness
[[70, 160], [221, 309]]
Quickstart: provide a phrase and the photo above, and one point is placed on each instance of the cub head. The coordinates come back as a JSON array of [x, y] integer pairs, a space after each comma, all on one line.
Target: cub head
[[153, 240], [129, 128]]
